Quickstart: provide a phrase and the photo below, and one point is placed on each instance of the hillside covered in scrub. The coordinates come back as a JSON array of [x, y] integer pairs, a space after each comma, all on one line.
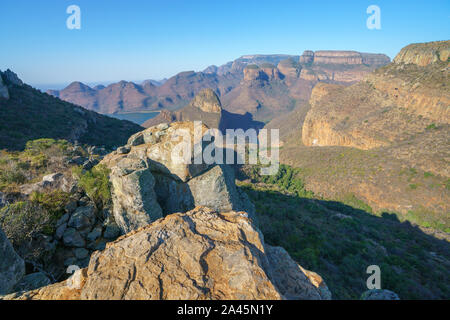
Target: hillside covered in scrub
[[28, 114]]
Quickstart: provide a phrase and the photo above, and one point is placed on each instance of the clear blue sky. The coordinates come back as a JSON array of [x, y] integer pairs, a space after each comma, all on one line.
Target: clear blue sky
[[142, 39]]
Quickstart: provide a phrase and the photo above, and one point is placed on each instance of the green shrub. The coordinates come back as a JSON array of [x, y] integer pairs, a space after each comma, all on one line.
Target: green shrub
[[95, 183]]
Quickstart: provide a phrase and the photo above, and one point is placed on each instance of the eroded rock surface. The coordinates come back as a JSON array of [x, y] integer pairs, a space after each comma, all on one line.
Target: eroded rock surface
[[150, 179], [196, 255]]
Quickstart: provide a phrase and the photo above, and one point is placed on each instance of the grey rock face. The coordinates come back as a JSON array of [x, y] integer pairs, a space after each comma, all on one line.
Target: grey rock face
[[149, 181], [134, 198], [72, 238], [82, 218], [12, 267], [32, 281], [216, 189]]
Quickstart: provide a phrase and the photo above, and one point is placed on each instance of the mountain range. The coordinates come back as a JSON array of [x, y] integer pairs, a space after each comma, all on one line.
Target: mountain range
[[264, 85], [27, 114]]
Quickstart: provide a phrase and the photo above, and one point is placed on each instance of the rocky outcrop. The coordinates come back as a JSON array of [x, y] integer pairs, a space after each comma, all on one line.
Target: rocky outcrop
[[307, 57], [11, 78], [207, 101], [423, 54], [3, 89], [289, 68], [343, 58], [205, 107], [337, 57], [378, 294], [150, 178], [196, 255], [393, 103], [255, 73], [12, 267]]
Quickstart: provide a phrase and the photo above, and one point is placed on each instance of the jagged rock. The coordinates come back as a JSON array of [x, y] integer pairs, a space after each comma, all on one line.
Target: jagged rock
[[12, 267], [376, 294], [134, 198], [60, 231], [32, 281], [207, 101], [94, 234], [195, 255], [82, 218], [307, 57], [12, 78], [112, 230], [123, 150], [72, 238], [150, 180], [216, 189], [80, 253], [4, 93]]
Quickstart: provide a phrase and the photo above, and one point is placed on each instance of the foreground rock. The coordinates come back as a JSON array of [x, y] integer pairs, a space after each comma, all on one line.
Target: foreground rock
[[379, 295], [12, 267], [149, 180], [196, 255]]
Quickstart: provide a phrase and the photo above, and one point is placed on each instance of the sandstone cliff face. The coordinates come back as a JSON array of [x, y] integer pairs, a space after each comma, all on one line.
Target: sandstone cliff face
[[400, 113], [150, 178], [393, 103], [423, 54], [337, 57], [196, 255]]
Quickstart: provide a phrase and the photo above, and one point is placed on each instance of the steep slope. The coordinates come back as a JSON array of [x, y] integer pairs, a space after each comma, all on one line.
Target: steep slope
[[398, 121], [29, 114]]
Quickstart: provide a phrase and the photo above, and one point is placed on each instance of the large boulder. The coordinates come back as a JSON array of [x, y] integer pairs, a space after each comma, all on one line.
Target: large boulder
[[379, 294], [149, 180], [12, 267], [196, 255], [134, 198]]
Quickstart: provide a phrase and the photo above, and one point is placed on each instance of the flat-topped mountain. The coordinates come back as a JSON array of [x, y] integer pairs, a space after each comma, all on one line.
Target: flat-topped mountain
[[263, 85], [383, 140], [27, 114]]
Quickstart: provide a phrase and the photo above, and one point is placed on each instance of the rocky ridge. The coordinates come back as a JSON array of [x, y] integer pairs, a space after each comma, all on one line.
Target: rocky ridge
[[149, 180], [252, 83], [197, 255]]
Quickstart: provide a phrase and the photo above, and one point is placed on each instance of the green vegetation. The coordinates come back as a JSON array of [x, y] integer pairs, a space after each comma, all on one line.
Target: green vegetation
[[30, 114], [339, 240], [95, 183], [22, 221], [40, 157]]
